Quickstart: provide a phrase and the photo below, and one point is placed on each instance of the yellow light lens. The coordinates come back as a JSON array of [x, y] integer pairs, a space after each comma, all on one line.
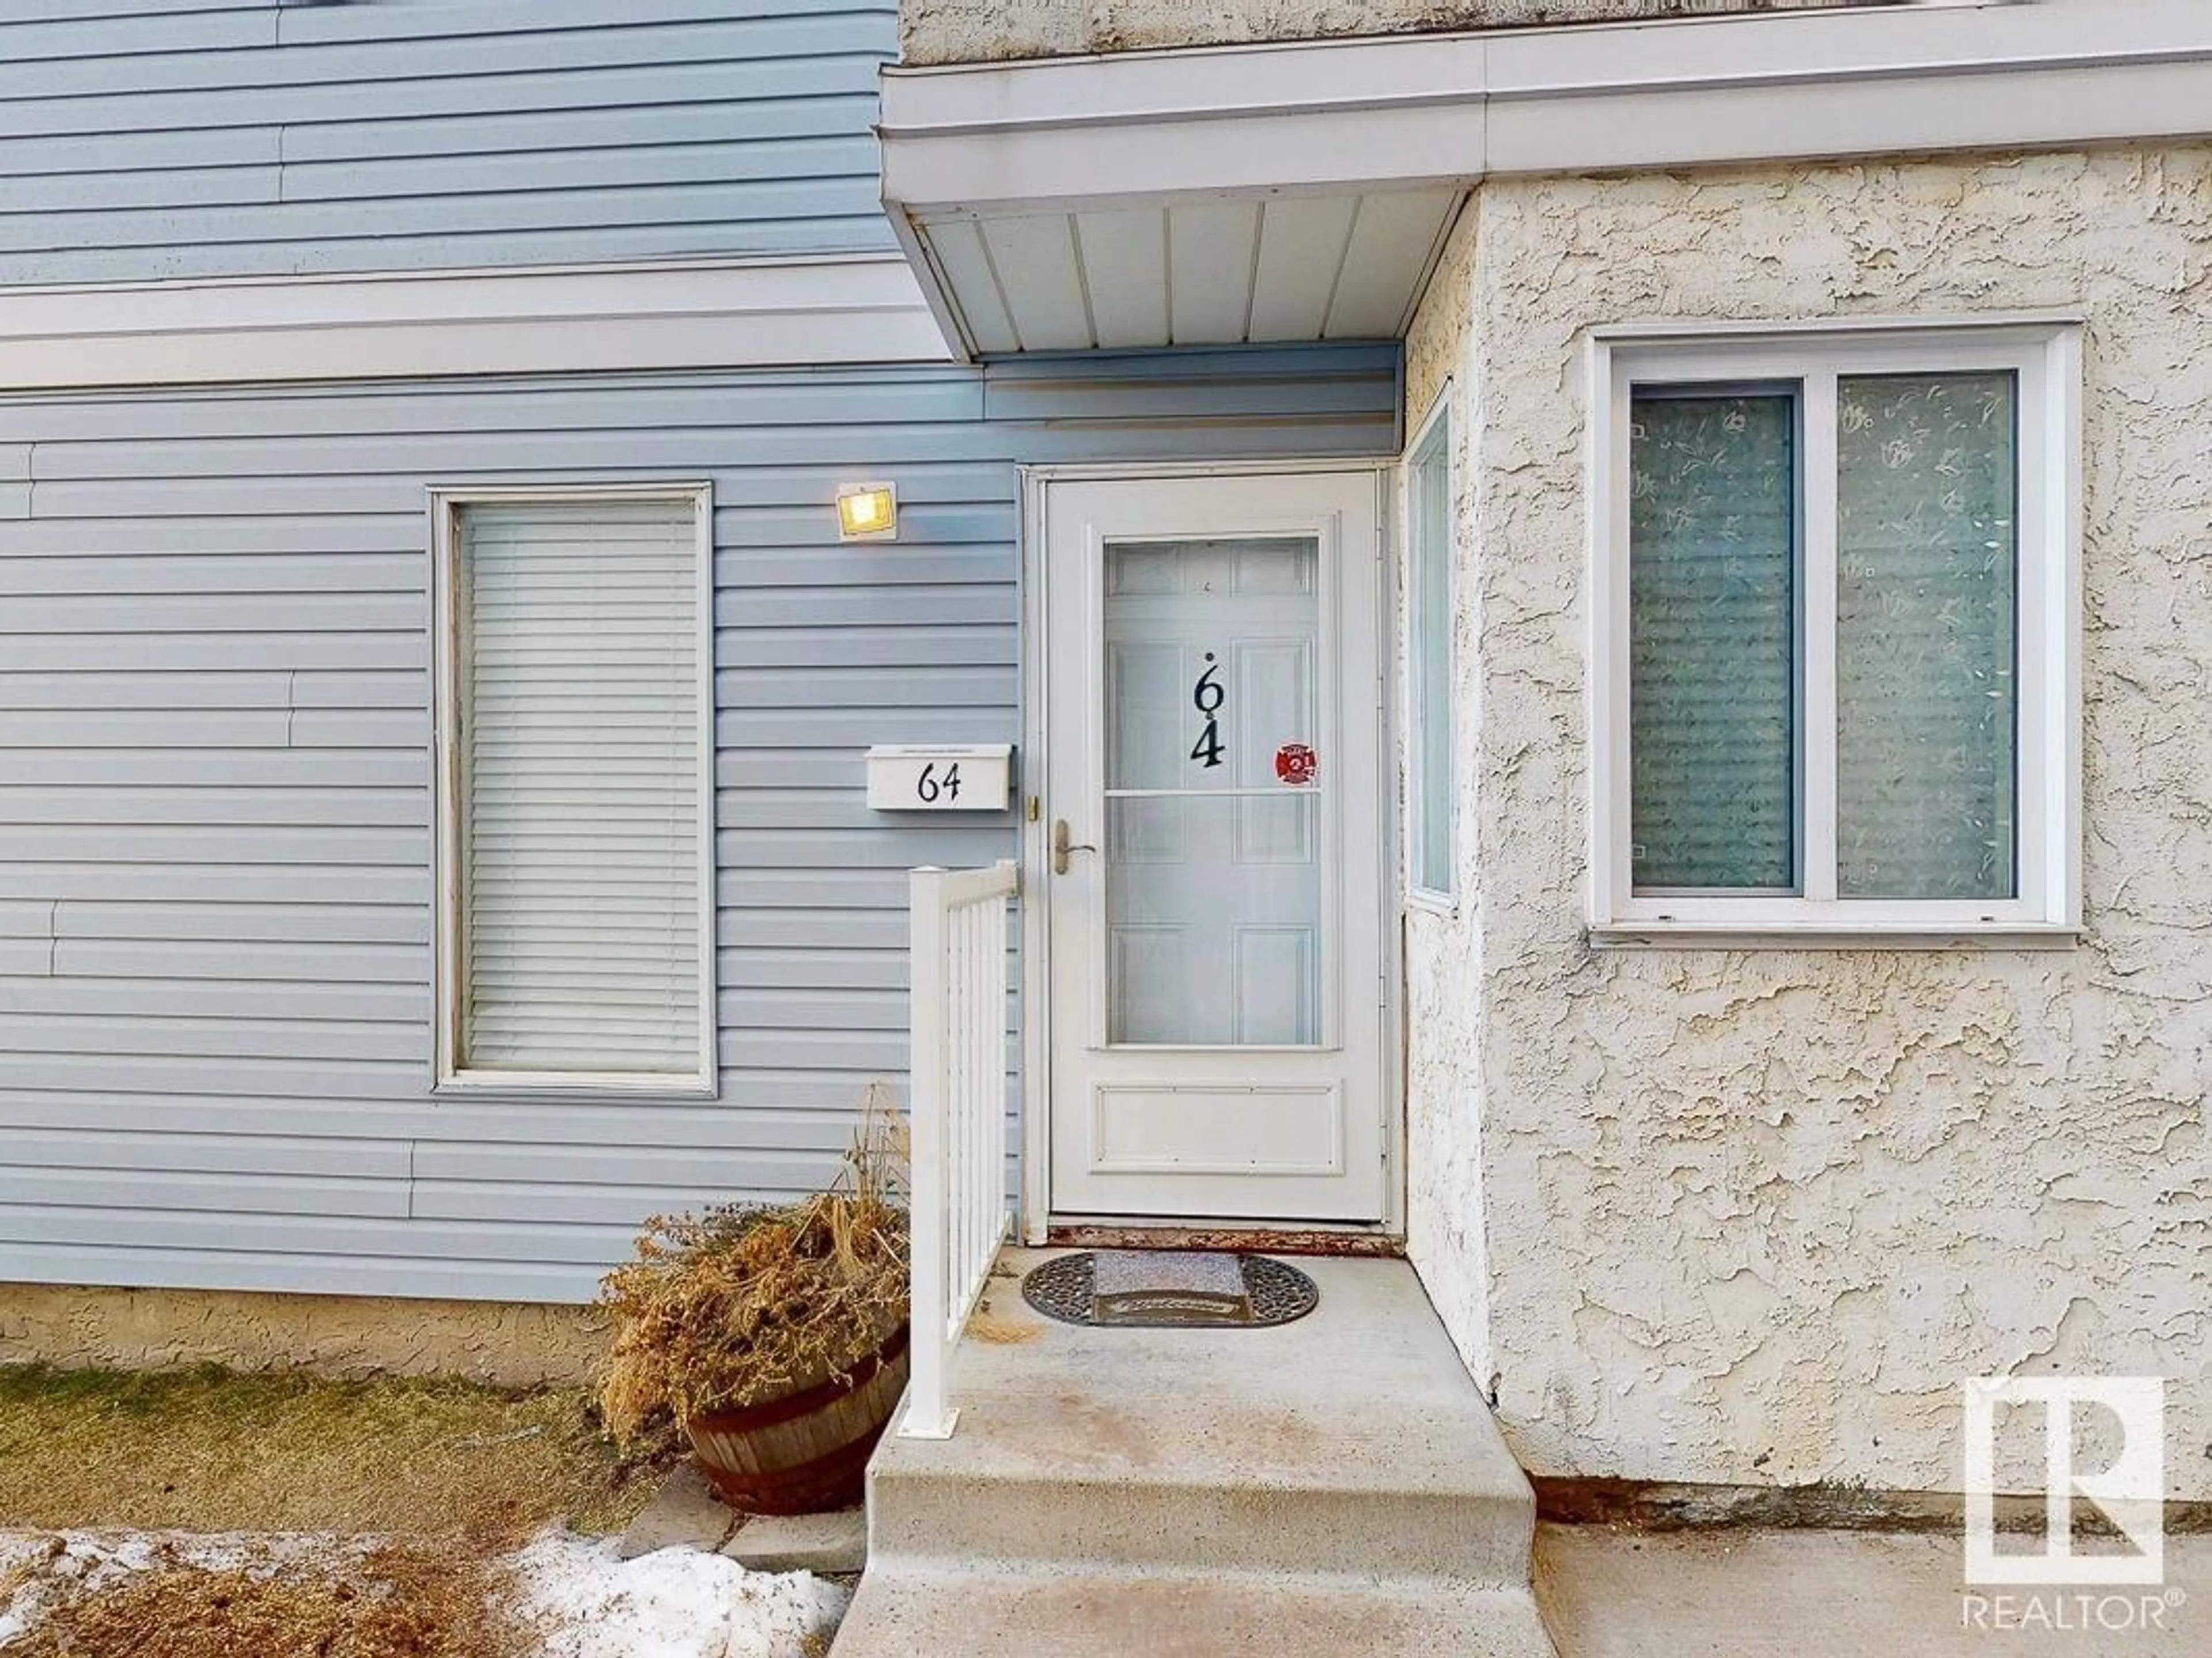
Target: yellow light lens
[[870, 509]]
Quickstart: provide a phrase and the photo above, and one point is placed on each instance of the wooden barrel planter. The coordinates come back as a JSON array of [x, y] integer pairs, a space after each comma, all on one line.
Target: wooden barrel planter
[[808, 1450]]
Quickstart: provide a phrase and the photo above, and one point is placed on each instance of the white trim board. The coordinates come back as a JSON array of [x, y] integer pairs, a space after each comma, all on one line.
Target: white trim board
[[550, 319], [1658, 94]]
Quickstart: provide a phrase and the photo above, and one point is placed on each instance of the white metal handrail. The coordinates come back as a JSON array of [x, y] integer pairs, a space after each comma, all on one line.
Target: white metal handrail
[[957, 1117]]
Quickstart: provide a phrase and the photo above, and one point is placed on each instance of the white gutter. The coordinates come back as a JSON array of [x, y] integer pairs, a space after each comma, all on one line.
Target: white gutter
[[1427, 109]]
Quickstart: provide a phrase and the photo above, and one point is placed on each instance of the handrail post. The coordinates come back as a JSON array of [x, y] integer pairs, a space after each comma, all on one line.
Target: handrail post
[[957, 1218], [928, 1414]]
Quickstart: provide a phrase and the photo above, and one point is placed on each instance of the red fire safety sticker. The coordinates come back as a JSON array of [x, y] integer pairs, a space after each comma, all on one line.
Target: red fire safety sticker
[[1295, 763]]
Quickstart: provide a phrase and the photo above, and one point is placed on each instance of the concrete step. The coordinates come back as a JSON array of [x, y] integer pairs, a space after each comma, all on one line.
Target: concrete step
[[1332, 1486], [1352, 1442], [911, 1611]]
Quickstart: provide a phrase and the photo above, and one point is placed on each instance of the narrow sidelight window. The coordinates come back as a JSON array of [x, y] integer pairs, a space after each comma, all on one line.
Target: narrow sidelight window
[[1429, 631], [576, 790]]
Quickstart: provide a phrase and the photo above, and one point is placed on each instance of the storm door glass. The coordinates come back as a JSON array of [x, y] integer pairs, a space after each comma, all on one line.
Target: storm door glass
[[1214, 787]]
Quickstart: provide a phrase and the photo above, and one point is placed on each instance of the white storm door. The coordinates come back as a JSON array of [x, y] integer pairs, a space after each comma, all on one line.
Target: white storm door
[[1212, 769]]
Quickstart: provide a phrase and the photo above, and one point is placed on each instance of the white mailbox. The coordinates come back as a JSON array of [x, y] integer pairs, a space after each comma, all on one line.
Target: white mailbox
[[937, 777]]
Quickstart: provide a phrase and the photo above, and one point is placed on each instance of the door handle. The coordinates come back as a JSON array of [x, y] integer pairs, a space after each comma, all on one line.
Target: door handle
[[1060, 847]]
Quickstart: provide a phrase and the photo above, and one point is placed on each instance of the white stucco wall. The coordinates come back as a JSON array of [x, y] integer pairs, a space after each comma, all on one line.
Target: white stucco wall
[[1443, 955], [1748, 1218]]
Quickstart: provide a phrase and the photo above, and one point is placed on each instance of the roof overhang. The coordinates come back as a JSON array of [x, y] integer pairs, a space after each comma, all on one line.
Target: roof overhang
[[1301, 190]]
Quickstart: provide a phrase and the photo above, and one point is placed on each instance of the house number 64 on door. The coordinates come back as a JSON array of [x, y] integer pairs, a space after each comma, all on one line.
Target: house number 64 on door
[[1207, 696]]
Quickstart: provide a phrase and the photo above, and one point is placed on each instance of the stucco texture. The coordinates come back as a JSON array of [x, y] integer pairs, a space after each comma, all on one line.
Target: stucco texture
[[1749, 1216], [990, 31], [1445, 1223], [506, 1344]]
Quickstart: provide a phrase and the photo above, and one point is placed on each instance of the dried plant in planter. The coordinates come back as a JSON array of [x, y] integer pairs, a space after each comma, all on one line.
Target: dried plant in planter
[[747, 1305]]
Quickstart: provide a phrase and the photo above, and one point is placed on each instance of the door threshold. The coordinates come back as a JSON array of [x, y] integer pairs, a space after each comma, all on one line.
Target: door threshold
[[1360, 1243]]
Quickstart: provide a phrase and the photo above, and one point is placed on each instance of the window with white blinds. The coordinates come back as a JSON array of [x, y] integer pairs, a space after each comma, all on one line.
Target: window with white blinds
[[576, 808], [1713, 658], [1838, 634]]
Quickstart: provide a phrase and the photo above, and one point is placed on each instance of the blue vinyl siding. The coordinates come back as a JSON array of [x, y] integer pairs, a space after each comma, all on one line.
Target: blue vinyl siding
[[199, 138], [215, 806]]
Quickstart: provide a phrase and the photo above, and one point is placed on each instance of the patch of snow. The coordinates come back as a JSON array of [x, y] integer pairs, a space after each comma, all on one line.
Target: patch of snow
[[672, 1603], [20, 1549]]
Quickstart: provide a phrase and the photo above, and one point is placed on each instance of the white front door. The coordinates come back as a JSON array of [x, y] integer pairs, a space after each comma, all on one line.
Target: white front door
[[1212, 780]]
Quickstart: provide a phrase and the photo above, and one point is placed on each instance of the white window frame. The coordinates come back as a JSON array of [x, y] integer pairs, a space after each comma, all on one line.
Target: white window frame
[[448, 1076], [2045, 352], [1445, 900]]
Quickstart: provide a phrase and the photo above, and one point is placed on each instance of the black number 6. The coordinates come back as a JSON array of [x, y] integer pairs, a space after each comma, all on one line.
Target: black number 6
[[1206, 696]]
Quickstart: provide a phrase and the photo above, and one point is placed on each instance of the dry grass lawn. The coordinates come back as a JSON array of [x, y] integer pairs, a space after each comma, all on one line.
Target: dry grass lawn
[[442, 1475], [210, 1450]]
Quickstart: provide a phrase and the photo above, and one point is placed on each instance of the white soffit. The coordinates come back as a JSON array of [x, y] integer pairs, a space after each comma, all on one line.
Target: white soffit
[[684, 314], [1208, 272], [1063, 203]]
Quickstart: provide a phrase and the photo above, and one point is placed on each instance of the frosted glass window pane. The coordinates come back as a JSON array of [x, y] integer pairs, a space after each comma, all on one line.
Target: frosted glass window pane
[[1712, 642], [1927, 703], [1428, 644], [1212, 860]]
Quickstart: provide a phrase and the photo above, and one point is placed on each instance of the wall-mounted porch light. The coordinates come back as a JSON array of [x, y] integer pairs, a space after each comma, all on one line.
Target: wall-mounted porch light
[[867, 512]]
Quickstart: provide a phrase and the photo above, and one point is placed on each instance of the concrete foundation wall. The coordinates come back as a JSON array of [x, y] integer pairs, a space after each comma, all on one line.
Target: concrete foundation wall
[[508, 1344], [1749, 1217], [989, 31]]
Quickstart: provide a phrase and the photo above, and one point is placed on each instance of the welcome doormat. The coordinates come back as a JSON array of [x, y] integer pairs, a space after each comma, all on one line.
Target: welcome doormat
[[1162, 1289]]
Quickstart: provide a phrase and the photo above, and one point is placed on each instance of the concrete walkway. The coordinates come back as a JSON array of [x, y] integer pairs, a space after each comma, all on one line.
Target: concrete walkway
[[1337, 1489], [1842, 1594]]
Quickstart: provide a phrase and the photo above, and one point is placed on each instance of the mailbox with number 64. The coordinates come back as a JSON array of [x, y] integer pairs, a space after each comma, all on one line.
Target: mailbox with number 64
[[937, 777]]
